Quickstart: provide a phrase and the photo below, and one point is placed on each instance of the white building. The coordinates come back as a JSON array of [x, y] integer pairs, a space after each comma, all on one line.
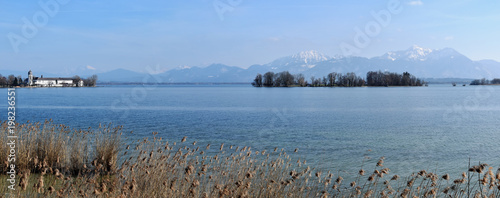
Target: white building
[[52, 82]]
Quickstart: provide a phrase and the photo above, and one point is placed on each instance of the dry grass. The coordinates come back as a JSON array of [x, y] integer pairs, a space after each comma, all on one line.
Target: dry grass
[[48, 146], [55, 161]]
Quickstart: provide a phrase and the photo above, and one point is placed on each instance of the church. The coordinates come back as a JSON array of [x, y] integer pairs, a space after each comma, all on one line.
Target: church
[[53, 82]]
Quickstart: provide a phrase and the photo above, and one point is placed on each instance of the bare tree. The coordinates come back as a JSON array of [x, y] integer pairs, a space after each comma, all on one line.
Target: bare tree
[[90, 81], [301, 81], [20, 80], [76, 79], [258, 80], [285, 79], [268, 79], [317, 82], [331, 79], [10, 80], [3, 81]]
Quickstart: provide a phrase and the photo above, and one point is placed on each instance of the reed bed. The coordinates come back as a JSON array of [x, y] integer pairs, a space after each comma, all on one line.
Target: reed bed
[[56, 161]]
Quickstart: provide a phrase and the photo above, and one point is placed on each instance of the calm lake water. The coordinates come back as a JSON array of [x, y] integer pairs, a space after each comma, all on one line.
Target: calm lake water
[[436, 128]]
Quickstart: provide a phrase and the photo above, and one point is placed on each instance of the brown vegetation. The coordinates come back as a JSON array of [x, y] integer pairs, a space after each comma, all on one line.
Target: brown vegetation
[[55, 161]]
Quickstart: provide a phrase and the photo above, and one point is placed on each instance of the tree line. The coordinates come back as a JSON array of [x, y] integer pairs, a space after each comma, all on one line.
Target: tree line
[[87, 82], [13, 81], [334, 79], [484, 81], [379, 78], [10, 81]]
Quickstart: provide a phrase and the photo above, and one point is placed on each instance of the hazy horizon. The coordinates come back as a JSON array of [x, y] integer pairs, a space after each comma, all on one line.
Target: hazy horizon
[[71, 35]]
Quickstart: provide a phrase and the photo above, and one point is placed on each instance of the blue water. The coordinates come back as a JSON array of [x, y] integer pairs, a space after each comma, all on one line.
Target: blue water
[[436, 128]]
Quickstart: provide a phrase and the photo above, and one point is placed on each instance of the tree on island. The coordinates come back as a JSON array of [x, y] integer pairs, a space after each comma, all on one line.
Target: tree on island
[[495, 81], [300, 80], [3, 81], [90, 81], [76, 79], [258, 81], [20, 81], [268, 79], [10, 80], [283, 79], [331, 79]]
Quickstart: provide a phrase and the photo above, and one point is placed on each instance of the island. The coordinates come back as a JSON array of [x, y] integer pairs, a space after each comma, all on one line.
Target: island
[[334, 79], [34, 81], [484, 81]]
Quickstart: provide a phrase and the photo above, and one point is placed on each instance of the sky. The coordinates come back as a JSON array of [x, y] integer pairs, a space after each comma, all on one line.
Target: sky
[[68, 36]]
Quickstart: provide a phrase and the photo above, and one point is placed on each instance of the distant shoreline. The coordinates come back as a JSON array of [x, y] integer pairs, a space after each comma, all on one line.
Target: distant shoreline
[[21, 87], [184, 83], [137, 83], [235, 83]]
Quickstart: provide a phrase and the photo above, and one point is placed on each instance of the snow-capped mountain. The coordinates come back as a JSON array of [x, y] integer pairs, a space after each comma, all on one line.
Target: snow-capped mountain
[[446, 53], [298, 62], [422, 62], [419, 61], [310, 57], [417, 53], [436, 63]]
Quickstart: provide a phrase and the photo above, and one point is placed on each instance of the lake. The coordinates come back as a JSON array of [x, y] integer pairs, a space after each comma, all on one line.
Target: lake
[[436, 128]]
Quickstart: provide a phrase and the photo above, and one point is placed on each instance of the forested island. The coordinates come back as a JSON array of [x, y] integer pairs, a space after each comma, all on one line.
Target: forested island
[[484, 81], [334, 79], [34, 81]]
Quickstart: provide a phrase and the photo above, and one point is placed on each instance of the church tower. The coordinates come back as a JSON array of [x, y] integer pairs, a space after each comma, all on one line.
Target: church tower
[[30, 78]]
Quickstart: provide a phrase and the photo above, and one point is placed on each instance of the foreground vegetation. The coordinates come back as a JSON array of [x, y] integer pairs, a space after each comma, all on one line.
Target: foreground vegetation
[[55, 161]]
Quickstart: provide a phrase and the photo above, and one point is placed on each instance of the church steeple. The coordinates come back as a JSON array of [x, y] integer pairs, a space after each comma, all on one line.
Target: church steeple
[[30, 78]]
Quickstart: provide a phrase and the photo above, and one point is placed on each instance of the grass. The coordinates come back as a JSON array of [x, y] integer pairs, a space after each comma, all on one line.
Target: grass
[[56, 161]]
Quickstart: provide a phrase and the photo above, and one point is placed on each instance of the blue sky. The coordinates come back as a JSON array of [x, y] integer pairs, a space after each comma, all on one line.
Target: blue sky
[[107, 35]]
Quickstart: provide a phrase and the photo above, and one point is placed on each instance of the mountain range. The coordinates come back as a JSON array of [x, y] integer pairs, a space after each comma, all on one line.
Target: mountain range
[[421, 62]]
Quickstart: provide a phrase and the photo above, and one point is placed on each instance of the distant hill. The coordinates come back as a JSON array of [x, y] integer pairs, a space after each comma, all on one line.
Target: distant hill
[[24, 74], [120, 75], [212, 73], [422, 62]]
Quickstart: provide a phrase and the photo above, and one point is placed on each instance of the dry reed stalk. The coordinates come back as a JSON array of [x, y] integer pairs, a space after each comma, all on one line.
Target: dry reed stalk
[[59, 162]]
